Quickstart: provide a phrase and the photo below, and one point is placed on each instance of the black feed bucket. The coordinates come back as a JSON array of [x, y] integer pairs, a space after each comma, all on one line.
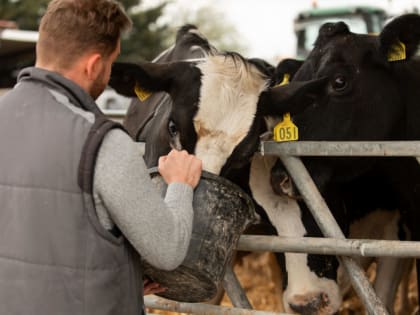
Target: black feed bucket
[[222, 211]]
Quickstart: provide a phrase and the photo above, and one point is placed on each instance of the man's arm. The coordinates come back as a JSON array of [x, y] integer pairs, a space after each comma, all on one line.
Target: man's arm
[[160, 229]]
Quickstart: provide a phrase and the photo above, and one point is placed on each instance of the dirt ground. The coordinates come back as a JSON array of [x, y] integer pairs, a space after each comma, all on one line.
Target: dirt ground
[[260, 277]]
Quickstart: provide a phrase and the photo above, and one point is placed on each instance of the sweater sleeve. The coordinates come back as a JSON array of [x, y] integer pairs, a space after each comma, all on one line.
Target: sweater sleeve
[[159, 228]]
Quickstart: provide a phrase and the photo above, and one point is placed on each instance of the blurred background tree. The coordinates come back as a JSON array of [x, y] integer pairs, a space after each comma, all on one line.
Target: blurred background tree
[[151, 32], [213, 24], [145, 41], [26, 13]]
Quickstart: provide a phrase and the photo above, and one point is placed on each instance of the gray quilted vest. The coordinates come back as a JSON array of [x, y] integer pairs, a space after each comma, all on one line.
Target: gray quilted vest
[[55, 257]]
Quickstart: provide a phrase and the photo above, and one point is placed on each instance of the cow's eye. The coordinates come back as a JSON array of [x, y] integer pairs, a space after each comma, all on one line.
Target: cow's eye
[[339, 83], [173, 131]]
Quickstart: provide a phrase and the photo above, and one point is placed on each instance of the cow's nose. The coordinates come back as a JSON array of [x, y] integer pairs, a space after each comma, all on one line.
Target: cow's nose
[[318, 305]]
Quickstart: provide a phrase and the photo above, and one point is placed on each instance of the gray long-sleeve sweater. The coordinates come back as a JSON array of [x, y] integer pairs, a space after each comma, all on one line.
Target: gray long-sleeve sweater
[[124, 194]]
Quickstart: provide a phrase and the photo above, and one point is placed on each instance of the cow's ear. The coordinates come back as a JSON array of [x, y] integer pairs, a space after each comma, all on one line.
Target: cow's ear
[[286, 67], [290, 98], [329, 30], [399, 40], [147, 76]]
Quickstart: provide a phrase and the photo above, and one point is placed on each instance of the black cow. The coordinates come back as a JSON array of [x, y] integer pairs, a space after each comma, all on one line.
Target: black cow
[[306, 279], [372, 95]]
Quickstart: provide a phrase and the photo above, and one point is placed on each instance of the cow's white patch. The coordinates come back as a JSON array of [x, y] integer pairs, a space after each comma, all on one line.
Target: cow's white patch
[[284, 213], [227, 107], [304, 286]]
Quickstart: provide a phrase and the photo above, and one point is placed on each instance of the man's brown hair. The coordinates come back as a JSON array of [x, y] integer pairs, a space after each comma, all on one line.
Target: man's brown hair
[[70, 28]]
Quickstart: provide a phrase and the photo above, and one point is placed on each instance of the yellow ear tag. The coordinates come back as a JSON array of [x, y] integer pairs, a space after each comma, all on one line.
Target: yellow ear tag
[[141, 93], [397, 52], [285, 130], [286, 79]]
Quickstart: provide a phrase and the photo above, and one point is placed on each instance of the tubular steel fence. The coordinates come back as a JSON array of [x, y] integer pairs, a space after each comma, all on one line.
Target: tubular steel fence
[[288, 153], [334, 242]]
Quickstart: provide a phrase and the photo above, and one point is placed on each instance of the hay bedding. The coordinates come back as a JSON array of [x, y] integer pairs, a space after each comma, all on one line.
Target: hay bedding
[[260, 277]]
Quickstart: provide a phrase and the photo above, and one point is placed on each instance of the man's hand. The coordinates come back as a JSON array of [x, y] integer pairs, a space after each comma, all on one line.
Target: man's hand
[[150, 287], [181, 167]]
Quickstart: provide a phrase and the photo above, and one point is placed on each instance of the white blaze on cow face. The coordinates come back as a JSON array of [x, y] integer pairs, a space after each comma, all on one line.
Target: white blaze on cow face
[[227, 107]]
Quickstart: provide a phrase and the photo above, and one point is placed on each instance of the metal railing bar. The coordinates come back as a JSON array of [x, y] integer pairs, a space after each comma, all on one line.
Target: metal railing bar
[[234, 290], [157, 303], [341, 148], [330, 228], [330, 246]]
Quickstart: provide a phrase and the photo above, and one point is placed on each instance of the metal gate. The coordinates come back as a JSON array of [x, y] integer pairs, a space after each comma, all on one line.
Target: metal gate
[[334, 242]]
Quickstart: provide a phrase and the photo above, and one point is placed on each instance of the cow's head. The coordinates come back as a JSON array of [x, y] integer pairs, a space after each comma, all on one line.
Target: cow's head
[[216, 108], [189, 45], [363, 100], [371, 94]]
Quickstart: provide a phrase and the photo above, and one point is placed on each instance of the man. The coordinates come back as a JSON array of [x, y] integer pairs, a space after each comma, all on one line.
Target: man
[[77, 205]]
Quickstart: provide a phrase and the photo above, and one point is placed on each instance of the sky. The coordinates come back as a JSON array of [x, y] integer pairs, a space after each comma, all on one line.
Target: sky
[[265, 27]]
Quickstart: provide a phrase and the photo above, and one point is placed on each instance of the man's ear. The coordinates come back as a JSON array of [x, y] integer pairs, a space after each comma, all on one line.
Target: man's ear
[[94, 66]]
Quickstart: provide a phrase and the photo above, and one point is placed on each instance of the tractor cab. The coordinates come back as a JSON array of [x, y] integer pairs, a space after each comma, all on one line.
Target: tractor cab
[[360, 19]]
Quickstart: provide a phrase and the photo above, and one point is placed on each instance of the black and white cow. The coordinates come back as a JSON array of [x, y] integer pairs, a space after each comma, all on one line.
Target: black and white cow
[[216, 105], [372, 94], [304, 291], [213, 107]]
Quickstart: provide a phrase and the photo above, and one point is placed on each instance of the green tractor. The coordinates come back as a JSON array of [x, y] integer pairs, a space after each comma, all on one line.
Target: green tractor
[[360, 19]]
